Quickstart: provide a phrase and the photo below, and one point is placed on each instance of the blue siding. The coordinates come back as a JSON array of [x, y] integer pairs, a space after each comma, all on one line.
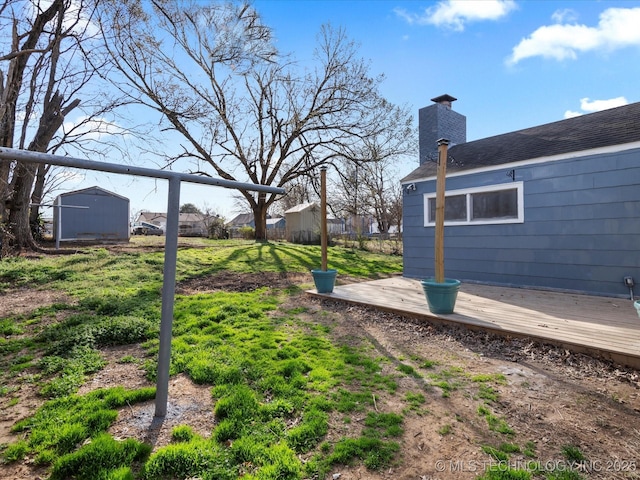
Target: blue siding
[[107, 217], [581, 229]]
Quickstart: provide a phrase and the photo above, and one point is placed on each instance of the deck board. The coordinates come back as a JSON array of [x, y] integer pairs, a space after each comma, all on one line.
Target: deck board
[[602, 326]]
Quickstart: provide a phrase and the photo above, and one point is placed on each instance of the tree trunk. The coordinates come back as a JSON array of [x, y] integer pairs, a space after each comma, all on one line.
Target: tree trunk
[[38, 191], [18, 218], [260, 217], [50, 122], [19, 211]]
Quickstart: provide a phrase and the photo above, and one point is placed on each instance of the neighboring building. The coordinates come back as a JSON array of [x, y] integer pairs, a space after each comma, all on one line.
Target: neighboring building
[[238, 222], [189, 224], [242, 220], [303, 223], [193, 225], [276, 228], [335, 226], [555, 206], [91, 214], [155, 218], [276, 223], [359, 225]]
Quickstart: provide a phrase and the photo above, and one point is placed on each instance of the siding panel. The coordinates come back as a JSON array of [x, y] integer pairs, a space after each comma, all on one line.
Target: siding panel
[[581, 230]]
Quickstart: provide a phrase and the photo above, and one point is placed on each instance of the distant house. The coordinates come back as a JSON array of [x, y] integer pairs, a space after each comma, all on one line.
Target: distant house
[[276, 228], [242, 220], [193, 224], [335, 226], [91, 214], [357, 225], [238, 222], [276, 223], [303, 223], [155, 218], [555, 206], [189, 224]]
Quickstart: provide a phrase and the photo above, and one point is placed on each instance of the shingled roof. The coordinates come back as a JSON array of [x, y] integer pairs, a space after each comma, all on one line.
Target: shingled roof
[[606, 128]]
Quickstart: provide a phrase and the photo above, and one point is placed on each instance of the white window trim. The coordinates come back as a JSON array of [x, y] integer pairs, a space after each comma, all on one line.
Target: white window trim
[[519, 186]]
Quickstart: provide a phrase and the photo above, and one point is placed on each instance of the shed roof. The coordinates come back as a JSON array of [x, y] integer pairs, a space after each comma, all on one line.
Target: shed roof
[[615, 126], [93, 189], [302, 207], [241, 219]]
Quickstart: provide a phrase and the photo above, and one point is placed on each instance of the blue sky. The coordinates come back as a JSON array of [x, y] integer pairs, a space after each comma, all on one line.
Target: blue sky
[[510, 64]]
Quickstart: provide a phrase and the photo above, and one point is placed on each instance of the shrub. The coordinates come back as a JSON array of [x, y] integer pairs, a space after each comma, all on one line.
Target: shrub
[[99, 458], [198, 458], [182, 433], [308, 434]]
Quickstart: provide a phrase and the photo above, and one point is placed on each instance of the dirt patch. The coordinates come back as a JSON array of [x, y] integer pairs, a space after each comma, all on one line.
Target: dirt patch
[[551, 398], [189, 404], [25, 300], [241, 282]]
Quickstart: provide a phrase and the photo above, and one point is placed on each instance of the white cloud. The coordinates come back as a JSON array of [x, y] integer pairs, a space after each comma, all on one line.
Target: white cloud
[[455, 14], [588, 106], [571, 114], [92, 128], [564, 16], [76, 18], [617, 28]]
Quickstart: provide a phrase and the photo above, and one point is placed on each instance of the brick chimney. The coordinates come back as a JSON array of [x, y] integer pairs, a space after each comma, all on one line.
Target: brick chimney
[[439, 121]]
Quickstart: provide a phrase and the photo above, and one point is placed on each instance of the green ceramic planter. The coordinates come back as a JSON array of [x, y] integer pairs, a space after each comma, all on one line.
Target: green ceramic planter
[[324, 280], [441, 297]]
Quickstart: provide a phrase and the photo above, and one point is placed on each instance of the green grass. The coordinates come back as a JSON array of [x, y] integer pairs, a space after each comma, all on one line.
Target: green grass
[[573, 453], [276, 377], [414, 400], [60, 425], [501, 472], [495, 423]]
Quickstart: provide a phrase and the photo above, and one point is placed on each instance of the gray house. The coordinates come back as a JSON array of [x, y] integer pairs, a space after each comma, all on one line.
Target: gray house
[[555, 206], [91, 214]]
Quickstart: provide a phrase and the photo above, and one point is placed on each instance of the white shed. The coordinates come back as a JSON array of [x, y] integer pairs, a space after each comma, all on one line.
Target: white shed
[[303, 223]]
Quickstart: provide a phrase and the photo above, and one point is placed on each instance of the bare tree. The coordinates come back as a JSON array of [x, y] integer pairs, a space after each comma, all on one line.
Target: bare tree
[[243, 112], [47, 67], [366, 177], [302, 189]]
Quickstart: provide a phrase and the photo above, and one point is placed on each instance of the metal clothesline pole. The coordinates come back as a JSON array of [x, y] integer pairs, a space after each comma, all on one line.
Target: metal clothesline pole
[[171, 237]]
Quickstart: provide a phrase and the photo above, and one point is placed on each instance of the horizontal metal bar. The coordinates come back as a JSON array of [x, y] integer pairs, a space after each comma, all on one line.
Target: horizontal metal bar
[[46, 158], [52, 205]]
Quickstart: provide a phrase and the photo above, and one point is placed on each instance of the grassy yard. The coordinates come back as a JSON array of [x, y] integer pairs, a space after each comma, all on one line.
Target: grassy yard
[[268, 383], [276, 380]]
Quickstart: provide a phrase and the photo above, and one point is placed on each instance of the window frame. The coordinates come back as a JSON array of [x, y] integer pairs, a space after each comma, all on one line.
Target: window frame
[[468, 192]]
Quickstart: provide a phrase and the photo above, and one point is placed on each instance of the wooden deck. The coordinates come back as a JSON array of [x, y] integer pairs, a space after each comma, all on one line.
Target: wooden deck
[[600, 326]]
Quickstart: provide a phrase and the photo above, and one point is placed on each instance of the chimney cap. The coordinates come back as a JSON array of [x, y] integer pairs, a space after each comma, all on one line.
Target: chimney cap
[[445, 99]]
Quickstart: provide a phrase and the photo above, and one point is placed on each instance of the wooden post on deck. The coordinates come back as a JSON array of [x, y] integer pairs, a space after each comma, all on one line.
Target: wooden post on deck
[[323, 215], [440, 188]]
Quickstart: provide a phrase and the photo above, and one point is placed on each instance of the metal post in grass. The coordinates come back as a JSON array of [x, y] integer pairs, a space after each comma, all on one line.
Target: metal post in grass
[[168, 297], [171, 239]]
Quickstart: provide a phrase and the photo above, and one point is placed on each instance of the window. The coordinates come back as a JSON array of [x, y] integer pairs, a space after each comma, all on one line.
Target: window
[[482, 205]]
